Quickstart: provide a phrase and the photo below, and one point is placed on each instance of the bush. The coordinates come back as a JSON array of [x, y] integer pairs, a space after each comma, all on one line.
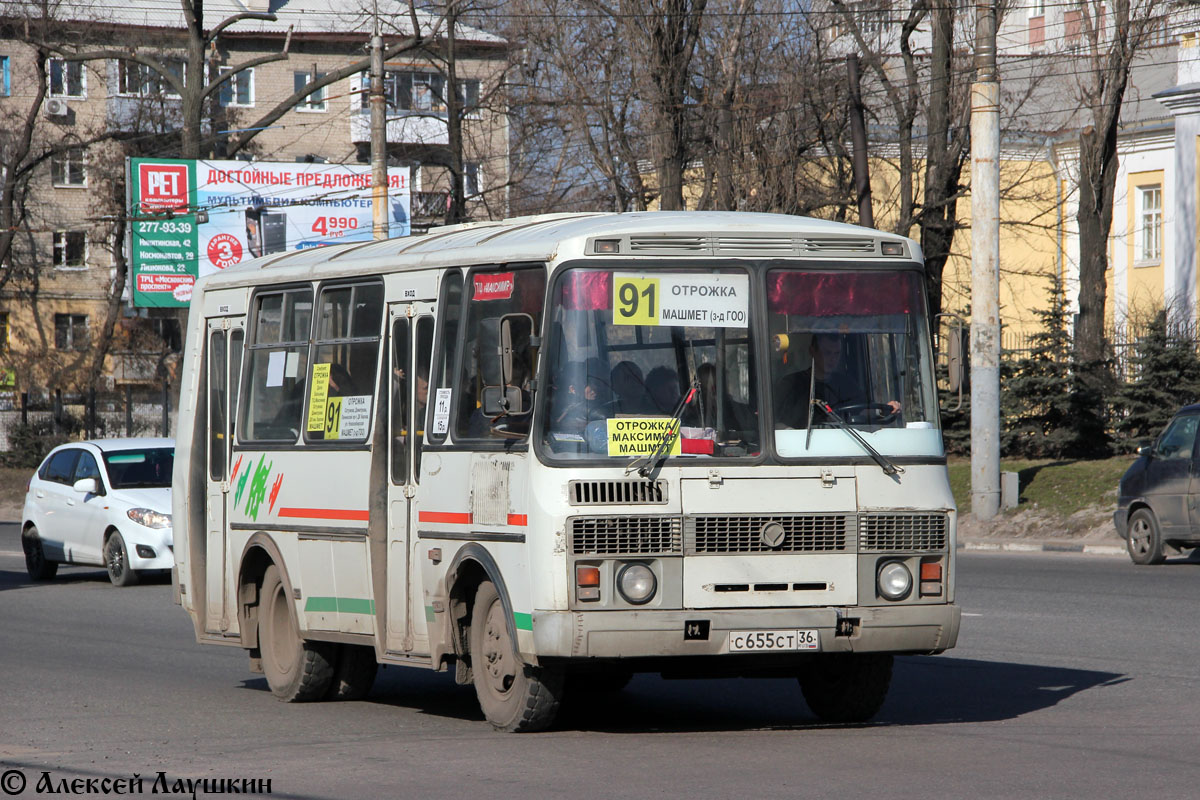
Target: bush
[[29, 443]]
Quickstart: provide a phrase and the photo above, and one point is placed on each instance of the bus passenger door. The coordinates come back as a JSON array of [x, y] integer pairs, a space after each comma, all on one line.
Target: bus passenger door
[[225, 342], [410, 340]]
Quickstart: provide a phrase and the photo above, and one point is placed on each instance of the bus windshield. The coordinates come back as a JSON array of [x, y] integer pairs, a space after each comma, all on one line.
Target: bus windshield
[[850, 348], [845, 349], [626, 350]]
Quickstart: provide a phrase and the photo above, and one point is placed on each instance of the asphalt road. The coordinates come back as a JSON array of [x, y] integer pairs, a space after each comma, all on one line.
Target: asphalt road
[[1076, 676]]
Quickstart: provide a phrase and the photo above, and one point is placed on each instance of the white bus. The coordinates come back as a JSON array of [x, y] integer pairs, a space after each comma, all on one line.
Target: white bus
[[551, 452]]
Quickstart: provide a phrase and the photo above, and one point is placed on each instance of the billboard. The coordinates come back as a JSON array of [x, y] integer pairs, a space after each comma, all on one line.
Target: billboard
[[192, 218]]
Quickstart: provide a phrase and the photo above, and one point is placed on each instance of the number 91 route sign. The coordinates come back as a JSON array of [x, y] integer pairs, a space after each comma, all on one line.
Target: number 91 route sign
[[696, 300]]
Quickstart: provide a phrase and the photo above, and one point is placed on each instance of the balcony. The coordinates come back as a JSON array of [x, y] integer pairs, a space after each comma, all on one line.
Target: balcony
[[125, 114], [403, 127]]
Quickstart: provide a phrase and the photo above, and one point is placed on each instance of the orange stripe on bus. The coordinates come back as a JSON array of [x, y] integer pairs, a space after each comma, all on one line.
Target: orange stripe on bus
[[326, 513], [452, 517], [464, 517]]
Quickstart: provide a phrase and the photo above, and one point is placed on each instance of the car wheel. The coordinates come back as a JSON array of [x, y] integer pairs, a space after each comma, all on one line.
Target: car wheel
[[1145, 539], [40, 569], [116, 561], [296, 670], [355, 673], [847, 687], [513, 695]]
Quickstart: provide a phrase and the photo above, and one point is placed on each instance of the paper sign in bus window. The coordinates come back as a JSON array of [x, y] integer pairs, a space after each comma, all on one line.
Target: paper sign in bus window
[[275, 362], [641, 436], [699, 300], [441, 410], [318, 398]]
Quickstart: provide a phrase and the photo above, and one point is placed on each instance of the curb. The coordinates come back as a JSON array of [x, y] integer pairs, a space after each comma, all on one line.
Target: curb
[[1043, 547]]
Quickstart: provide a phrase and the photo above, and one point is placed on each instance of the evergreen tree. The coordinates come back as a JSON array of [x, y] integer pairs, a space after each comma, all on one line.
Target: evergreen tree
[[1038, 400], [1167, 372]]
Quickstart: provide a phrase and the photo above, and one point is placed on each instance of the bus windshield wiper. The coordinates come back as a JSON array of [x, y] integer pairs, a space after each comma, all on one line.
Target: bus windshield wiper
[[663, 447], [886, 464]]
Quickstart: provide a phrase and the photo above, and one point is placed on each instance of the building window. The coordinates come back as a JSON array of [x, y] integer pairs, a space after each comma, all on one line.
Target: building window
[[1037, 8], [316, 100], [468, 96], [414, 91], [5, 86], [471, 178], [239, 89], [70, 249], [69, 168], [139, 80], [1037, 32], [67, 78], [3, 331], [71, 331], [1072, 27], [1150, 233]]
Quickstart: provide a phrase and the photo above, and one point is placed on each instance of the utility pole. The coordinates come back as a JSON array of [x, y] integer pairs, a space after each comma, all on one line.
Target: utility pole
[[858, 135], [379, 187], [985, 268]]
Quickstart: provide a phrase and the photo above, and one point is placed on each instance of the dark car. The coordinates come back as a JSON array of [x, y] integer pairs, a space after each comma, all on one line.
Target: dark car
[[1158, 495]]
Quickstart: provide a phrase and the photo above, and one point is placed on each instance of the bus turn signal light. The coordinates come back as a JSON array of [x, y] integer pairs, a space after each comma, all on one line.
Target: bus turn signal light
[[587, 582], [931, 578]]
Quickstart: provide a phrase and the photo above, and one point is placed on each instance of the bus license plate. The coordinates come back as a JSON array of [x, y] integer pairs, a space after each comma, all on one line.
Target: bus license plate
[[765, 641]]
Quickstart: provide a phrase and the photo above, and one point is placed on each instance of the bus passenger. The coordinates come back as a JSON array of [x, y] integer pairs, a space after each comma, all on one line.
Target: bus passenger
[[630, 389]]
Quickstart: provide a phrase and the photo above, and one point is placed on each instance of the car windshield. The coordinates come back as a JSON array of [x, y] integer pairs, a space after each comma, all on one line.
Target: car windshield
[[850, 348], [626, 348], [140, 469]]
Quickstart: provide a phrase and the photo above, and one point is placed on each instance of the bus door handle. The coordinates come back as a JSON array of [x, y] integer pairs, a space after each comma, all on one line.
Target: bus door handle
[[410, 491]]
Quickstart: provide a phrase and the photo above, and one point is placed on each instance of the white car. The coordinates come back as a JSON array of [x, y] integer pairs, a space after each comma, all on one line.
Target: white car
[[105, 502]]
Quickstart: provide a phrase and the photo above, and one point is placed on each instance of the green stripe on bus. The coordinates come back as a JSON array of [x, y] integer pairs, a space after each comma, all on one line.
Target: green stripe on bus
[[429, 615], [346, 605], [524, 621]]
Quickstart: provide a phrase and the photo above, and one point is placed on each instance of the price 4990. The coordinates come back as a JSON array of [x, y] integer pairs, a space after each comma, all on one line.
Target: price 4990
[[334, 226]]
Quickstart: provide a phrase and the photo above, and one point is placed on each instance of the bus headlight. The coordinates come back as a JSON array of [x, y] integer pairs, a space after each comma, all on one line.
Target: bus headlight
[[894, 580], [637, 584]]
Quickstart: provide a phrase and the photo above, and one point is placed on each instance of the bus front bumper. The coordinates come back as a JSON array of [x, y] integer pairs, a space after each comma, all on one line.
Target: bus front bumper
[[657, 633]]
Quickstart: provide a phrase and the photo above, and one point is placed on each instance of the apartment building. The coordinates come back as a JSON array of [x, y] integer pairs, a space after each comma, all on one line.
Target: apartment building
[[66, 317]]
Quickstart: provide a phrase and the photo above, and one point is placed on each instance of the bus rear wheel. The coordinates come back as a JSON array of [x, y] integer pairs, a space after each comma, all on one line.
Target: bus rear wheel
[[296, 670], [513, 695], [355, 673], [847, 687]]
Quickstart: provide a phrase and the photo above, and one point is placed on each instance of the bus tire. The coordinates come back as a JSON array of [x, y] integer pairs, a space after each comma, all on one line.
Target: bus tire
[[36, 563], [847, 687], [296, 670], [355, 673], [1144, 540], [514, 696]]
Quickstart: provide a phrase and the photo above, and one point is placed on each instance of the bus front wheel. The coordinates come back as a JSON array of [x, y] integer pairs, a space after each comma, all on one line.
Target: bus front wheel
[[296, 670], [847, 687], [513, 695]]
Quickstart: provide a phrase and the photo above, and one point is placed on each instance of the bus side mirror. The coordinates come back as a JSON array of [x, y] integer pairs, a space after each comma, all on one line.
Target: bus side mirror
[[956, 356], [505, 363]]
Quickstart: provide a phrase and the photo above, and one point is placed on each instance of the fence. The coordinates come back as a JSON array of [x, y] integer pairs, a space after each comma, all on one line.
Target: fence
[[128, 412], [1122, 346]]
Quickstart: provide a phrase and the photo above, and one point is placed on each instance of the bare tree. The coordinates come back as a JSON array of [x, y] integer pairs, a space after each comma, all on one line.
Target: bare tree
[[1114, 32]]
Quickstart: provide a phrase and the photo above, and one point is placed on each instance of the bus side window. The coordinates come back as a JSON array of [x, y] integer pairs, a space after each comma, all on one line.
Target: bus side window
[[450, 310], [401, 433], [424, 358], [494, 295], [344, 357], [237, 342], [217, 371], [278, 366]]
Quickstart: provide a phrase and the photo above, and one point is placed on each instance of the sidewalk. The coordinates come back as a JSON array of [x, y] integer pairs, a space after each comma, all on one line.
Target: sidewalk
[[1090, 532]]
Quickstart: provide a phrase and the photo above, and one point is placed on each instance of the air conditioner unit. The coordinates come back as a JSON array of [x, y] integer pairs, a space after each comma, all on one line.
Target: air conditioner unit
[[56, 107]]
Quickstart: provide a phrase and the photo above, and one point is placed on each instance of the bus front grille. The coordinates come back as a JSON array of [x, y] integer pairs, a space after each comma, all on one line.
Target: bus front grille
[[632, 535], [878, 533], [801, 533], [617, 492]]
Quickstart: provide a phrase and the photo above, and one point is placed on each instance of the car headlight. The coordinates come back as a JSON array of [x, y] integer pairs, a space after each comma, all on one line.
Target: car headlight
[[636, 583], [149, 518], [894, 580]]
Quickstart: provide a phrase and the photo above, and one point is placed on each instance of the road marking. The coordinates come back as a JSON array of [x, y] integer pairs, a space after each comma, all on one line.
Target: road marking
[[14, 553], [968, 614]]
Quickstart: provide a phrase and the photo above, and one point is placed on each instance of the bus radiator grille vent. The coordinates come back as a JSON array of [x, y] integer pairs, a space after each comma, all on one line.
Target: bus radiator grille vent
[[802, 533], [850, 245], [879, 533], [669, 244], [617, 493], [633, 535]]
